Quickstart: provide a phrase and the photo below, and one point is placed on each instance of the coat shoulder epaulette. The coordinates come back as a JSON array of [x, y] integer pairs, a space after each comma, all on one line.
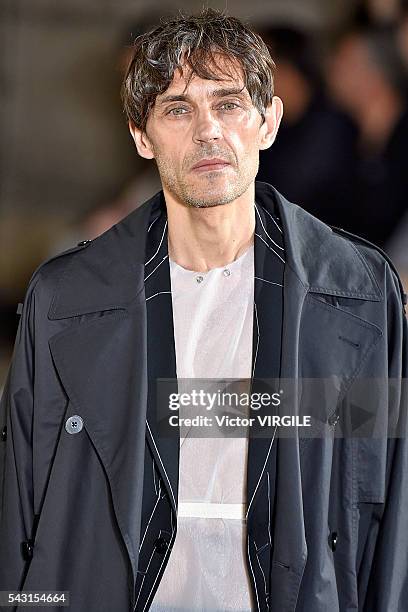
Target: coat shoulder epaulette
[[367, 243], [79, 247], [35, 275]]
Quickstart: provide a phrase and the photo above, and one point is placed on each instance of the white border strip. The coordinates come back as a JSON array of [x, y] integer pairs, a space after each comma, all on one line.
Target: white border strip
[[211, 510]]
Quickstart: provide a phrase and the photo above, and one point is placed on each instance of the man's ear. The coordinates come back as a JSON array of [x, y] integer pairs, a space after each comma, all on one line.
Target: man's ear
[[269, 128], [143, 145]]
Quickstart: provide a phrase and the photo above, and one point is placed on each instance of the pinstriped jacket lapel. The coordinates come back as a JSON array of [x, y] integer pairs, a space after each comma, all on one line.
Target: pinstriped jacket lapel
[[161, 356], [266, 354]]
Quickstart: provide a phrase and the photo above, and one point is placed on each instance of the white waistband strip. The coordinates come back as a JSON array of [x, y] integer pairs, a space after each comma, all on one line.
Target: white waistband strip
[[211, 510]]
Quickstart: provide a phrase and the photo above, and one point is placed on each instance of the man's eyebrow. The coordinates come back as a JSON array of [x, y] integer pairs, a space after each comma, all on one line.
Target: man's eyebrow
[[216, 93]]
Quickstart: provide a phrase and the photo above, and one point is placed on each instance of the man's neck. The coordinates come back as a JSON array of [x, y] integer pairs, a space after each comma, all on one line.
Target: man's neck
[[201, 239]]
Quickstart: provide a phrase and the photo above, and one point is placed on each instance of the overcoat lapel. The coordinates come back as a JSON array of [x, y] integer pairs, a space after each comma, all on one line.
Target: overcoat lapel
[[314, 267], [100, 357]]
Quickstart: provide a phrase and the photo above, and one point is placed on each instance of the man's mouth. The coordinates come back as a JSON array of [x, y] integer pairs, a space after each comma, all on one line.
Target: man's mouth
[[210, 164]]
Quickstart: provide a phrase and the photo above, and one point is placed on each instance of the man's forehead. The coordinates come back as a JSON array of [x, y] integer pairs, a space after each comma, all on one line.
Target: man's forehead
[[229, 76]]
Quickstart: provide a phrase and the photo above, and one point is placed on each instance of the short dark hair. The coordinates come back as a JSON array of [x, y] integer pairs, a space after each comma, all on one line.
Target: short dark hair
[[195, 39]]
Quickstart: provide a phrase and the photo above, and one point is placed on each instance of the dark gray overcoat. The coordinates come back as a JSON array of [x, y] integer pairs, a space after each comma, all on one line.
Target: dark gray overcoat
[[331, 531]]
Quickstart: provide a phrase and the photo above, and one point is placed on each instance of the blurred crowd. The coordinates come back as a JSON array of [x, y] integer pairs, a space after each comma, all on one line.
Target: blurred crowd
[[340, 152]]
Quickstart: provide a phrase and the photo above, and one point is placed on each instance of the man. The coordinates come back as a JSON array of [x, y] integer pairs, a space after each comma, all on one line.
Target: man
[[215, 277]]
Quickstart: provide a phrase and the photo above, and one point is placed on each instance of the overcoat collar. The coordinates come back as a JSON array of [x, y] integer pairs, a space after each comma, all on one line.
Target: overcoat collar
[[107, 274]]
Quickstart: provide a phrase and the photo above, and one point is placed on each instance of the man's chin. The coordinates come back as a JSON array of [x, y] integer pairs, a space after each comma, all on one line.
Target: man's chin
[[208, 196], [205, 204], [203, 201]]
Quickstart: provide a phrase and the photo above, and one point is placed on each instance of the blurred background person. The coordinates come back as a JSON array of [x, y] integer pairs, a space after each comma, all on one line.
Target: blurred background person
[[367, 77], [378, 12], [314, 152]]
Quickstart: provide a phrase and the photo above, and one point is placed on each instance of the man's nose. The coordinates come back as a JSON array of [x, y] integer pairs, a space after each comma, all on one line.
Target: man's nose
[[206, 127]]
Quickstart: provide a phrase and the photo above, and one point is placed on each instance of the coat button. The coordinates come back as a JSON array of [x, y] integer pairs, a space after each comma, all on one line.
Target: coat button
[[333, 419], [27, 549], [161, 545], [4, 433], [74, 424], [333, 539]]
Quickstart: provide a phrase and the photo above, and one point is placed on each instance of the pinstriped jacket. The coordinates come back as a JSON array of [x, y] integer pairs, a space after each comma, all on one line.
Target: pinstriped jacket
[[95, 513], [159, 517]]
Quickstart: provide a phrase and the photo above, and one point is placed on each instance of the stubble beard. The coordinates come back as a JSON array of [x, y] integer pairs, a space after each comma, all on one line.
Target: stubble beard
[[204, 196]]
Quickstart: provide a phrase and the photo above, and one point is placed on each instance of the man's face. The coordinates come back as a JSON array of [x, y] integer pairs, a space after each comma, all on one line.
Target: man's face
[[210, 120]]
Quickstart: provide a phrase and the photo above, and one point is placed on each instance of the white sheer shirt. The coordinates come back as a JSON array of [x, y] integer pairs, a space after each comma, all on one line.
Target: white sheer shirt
[[213, 323]]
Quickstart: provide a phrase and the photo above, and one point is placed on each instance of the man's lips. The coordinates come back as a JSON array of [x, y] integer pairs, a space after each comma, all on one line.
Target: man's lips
[[213, 163]]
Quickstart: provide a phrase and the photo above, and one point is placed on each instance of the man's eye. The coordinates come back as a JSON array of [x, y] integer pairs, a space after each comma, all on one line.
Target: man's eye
[[175, 111], [229, 105]]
